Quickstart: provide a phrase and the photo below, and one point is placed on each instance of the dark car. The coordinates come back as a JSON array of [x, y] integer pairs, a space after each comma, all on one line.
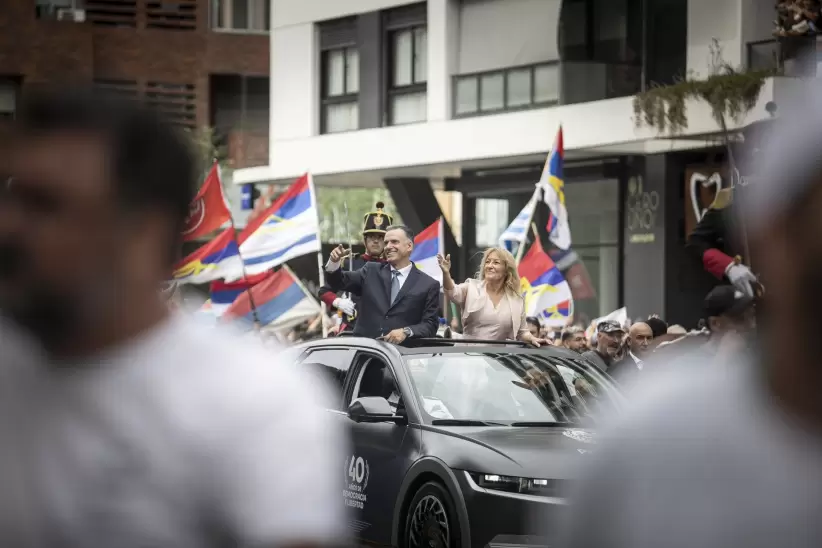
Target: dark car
[[458, 444]]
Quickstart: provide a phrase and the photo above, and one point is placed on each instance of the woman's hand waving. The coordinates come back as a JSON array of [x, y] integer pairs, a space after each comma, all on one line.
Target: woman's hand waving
[[444, 262]]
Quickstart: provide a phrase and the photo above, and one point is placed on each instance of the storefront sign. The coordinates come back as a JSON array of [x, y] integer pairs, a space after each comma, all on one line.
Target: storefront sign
[[641, 210]]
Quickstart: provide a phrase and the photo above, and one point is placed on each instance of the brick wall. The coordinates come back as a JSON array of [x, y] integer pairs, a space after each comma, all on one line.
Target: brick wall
[[157, 62], [248, 149]]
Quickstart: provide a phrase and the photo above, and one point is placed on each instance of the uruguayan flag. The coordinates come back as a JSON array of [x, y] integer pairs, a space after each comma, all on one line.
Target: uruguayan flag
[[517, 231], [288, 228]]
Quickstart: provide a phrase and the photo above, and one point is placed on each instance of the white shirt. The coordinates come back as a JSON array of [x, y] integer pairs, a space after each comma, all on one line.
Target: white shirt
[[702, 457], [639, 363], [175, 439], [403, 273]]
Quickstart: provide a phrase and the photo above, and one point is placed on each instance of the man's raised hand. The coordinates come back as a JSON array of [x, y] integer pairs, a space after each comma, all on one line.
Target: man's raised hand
[[339, 253]]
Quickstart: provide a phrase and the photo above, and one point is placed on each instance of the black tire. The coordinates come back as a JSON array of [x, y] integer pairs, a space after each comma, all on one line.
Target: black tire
[[431, 519]]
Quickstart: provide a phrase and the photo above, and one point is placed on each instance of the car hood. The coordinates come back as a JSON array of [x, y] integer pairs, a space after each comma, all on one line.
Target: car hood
[[534, 452]]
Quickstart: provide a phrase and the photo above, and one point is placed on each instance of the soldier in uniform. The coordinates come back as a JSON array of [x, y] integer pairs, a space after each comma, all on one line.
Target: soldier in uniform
[[373, 237], [716, 241]]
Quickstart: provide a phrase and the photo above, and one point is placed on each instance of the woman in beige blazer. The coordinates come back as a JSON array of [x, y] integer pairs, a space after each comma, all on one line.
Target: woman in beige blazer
[[492, 305]]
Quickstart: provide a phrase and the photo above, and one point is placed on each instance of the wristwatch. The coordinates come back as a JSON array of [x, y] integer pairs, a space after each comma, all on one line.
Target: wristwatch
[[408, 332]]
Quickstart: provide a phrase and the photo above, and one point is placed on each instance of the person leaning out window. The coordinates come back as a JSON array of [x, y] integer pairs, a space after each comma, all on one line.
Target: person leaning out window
[[492, 305]]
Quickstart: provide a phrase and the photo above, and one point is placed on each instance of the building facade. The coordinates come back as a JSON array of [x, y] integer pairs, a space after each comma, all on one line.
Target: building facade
[[465, 96], [203, 63]]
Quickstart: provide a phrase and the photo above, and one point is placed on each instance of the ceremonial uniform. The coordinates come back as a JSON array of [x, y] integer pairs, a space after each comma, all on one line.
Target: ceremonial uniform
[[374, 222]]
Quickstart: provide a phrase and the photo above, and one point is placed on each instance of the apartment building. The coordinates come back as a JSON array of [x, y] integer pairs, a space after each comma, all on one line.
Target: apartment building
[[204, 63]]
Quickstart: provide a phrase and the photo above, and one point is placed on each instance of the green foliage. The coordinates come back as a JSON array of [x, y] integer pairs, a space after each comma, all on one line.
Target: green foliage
[[205, 143], [336, 225], [731, 93]]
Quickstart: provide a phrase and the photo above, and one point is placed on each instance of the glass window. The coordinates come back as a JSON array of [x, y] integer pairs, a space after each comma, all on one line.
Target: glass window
[[492, 90], [407, 101], [330, 365], [377, 381], [510, 388], [241, 14], [335, 73], [467, 95], [492, 220], [403, 58], [352, 68], [546, 84], [341, 117], [407, 108], [519, 87], [420, 55]]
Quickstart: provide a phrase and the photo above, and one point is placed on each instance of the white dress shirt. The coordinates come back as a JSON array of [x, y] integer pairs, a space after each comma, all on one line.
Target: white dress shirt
[[639, 363], [403, 273]]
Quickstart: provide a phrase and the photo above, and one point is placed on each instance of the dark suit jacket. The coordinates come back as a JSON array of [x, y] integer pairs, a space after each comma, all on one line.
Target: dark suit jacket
[[416, 305]]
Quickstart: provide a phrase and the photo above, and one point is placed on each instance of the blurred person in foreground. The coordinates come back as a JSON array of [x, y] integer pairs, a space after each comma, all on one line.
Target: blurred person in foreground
[[609, 338], [728, 452], [491, 304], [573, 338], [133, 428]]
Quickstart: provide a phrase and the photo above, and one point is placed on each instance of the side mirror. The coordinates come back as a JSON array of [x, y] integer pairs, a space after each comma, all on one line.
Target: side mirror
[[373, 409]]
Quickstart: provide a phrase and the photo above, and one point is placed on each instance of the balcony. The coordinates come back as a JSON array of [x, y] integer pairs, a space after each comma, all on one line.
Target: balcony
[[796, 56]]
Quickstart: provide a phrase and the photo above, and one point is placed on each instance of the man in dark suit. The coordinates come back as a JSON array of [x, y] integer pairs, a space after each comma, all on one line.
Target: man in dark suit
[[397, 300], [373, 237]]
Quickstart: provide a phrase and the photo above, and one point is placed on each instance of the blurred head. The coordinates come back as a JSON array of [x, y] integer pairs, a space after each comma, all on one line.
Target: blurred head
[[399, 242], [657, 325], [729, 310], [573, 338], [534, 326], [609, 338], [91, 216], [374, 244], [639, 338], [499, 267]]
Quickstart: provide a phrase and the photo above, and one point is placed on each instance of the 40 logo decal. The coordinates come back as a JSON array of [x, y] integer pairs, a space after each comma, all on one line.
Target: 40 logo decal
[[357, 474]]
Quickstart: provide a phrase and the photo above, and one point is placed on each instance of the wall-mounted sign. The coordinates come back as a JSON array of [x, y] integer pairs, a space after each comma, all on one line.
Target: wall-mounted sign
[[702, 183]]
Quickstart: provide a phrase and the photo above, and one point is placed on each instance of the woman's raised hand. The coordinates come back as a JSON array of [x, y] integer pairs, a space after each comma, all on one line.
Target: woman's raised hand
[[444, 262]]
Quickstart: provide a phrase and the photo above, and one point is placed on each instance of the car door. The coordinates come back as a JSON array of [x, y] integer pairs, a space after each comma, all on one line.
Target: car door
[[383, 451]]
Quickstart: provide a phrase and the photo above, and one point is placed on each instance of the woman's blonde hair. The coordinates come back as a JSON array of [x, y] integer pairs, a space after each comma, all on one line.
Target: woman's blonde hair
[[511, 281]]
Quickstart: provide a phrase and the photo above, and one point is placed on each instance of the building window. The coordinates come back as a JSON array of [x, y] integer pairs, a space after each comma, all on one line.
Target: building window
[[340, 89], [510, 89], [407, 93], [241, 15], [8, 98]]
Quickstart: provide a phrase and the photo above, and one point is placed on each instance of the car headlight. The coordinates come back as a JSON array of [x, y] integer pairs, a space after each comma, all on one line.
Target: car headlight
[[513, 484]]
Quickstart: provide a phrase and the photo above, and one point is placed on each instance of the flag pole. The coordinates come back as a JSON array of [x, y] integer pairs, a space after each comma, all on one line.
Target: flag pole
[[524, 243], [237, 243], [320, 266]]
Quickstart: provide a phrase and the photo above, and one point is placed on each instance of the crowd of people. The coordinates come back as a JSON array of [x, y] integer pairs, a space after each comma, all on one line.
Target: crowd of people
[[797, 18]]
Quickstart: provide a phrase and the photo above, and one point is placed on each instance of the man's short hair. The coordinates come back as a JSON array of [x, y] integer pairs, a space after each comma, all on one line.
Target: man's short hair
[[569, 332], [408, 232], [152, 162]]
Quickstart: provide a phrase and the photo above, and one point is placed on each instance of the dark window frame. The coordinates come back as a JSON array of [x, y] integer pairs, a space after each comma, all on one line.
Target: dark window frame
[[414, 87], [477, 76], [327, 100]]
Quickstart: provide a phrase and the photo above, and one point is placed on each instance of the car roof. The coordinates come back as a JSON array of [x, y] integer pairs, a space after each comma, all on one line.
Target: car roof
[[443, 346]]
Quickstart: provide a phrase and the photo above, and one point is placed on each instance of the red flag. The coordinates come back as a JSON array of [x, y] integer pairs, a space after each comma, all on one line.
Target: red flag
[[208, 210]]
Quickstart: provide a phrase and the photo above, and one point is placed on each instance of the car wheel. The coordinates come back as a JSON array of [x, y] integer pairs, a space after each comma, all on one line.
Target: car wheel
[[431, 519]]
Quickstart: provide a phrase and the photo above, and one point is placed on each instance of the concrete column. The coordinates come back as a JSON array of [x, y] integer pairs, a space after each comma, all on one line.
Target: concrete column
[[443, 48]]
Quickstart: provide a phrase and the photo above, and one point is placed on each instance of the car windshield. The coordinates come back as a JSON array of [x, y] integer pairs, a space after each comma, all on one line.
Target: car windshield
[[518, 389]]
